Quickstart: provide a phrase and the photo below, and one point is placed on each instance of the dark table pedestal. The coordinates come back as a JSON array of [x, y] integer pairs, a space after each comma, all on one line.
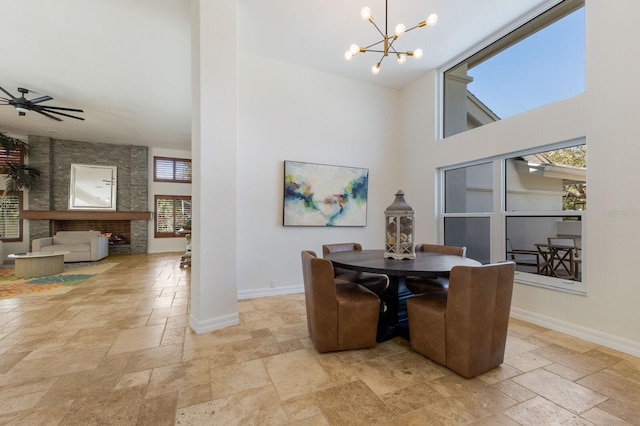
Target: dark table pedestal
[[394, 321]]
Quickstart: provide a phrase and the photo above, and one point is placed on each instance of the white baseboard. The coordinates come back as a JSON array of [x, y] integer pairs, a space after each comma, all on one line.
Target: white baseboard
[[213, 324], [618, 343], [265, 292]]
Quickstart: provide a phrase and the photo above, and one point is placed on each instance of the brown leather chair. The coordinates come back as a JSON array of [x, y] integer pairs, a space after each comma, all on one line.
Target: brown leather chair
[[419, 285], [377, 283], [465, 328], [339, 317]]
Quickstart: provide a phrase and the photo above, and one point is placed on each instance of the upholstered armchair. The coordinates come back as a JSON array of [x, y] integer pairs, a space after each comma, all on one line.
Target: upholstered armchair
[[339, 317], [377, 283], [419, 285], [465, 328]]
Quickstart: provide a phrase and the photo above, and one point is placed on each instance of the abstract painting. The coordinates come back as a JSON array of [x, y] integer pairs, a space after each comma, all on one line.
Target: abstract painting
[[324, 195]]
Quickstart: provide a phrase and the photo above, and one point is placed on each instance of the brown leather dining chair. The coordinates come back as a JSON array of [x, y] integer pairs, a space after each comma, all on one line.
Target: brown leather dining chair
[[377, 283], [339, 317], [465, 328], [419, 285]]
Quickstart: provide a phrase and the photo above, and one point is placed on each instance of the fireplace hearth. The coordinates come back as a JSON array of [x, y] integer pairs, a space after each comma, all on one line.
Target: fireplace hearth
[[118, 231], [115, 238]]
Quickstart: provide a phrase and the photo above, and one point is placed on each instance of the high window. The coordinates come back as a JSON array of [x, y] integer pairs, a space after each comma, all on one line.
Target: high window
[[173, 214], [167, 169], [538, 63], [10, 223], [535, 217]]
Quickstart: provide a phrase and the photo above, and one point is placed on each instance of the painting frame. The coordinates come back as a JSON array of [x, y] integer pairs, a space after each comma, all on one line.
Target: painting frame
[[324, 195]]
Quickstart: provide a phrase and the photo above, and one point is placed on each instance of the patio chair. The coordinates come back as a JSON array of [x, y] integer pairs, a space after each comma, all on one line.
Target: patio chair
[[524, 257], [572, 256]]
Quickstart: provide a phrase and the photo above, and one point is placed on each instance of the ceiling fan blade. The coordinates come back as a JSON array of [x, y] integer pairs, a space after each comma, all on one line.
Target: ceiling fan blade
[[41, 99], [43, 110], [60, 108], [47, 115], [8, 94]]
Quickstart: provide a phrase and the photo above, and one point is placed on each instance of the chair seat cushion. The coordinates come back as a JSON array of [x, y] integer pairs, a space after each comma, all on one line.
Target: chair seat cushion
[[420, 285], [377, 283]]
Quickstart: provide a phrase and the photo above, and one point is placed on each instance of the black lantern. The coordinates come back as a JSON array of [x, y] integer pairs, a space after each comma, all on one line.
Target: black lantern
[[399, 232]]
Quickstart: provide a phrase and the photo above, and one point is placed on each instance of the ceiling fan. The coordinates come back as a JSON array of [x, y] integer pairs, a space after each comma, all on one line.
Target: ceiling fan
[[23, 105]]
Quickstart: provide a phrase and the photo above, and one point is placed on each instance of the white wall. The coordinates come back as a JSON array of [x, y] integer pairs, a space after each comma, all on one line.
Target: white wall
[[162, 245], [606, 114], [292, 113]]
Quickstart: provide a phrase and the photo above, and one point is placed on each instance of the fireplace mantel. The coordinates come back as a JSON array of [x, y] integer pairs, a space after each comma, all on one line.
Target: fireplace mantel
[[85, 215]]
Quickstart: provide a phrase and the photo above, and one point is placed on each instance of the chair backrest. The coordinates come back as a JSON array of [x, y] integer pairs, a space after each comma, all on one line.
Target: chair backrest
[[477, 316], [557, 241], [320, 298], [571, 242], [335, 248], [439, 248], [338, 247]]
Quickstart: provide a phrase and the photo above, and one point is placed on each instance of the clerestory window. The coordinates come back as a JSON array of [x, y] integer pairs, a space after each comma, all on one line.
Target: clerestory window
[[540, 62]]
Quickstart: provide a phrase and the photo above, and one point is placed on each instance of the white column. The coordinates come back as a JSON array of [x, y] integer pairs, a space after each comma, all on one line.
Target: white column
[[214, 149]]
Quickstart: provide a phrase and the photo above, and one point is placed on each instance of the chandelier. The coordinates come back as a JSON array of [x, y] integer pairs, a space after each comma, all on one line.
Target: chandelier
[[388, 40]]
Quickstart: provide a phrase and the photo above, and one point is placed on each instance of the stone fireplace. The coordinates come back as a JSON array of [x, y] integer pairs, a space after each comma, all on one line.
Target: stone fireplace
[[49, 202], [118, 231]]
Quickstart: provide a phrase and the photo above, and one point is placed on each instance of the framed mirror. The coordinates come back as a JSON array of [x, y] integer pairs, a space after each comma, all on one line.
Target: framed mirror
[[93, 187]]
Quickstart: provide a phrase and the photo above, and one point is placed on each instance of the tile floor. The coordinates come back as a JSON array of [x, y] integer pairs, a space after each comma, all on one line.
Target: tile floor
[[118, 351]]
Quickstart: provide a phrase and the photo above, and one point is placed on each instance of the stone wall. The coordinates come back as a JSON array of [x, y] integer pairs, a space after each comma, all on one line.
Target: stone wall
[[53, 157]]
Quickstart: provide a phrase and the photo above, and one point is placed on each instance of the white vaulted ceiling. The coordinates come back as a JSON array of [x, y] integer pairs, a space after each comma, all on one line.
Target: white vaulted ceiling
[[127, 63]]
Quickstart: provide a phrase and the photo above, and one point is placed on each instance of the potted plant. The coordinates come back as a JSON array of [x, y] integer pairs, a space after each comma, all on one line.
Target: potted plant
[[18, 176]]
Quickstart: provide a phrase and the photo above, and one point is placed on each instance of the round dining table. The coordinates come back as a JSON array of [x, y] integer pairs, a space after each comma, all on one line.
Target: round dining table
[[394, 321]]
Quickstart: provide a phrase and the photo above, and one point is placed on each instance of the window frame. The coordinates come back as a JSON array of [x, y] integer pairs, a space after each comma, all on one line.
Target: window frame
[[528, 25], [498, 218], [174, 198], [19, 238], [175, 161]]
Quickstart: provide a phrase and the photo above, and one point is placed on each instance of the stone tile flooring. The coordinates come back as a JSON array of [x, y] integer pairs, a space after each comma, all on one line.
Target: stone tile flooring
[[118, 351]]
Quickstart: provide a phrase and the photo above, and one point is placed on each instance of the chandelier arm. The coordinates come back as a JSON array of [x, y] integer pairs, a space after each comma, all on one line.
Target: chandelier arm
[[374, 44], [391, 48], [377, 28], [413, 28]]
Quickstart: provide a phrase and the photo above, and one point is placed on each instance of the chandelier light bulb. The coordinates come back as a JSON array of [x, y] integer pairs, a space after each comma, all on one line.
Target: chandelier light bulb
[[400, 29], [402, 59], [375, 69], [354, 49], [432, 20], [418, 53], [348, 55], [365, 13]]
